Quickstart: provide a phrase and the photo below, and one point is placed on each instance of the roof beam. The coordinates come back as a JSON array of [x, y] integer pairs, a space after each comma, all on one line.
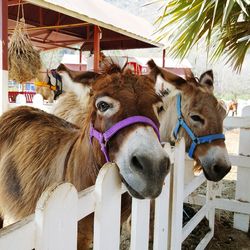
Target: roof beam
[[15, 2], [62, 41], [62, 26], [53, 44], [29, 22], [97, 35]]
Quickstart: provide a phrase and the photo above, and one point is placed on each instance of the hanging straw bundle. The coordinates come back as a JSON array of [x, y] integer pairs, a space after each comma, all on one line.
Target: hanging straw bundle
[[24, 60]]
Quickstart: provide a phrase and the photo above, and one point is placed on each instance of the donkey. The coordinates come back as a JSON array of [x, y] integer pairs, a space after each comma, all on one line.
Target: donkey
[[202, 112], [39, 149], [233, 106], [195, 115]]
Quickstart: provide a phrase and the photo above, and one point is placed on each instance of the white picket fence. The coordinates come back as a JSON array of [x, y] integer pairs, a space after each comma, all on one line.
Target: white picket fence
[[54, 224]]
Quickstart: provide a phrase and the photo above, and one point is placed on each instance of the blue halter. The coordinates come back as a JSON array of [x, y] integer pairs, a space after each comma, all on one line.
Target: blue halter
[[195, 140]]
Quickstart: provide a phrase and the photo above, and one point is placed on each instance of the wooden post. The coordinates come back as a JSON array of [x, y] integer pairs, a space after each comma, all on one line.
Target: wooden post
[[56, 218], [96, 48], [162, 215], [80, 56], [162, 210], [163, 58], [178, 195], [108, 208], [3, 55], [140, 224], [241, 221], [80, 59]]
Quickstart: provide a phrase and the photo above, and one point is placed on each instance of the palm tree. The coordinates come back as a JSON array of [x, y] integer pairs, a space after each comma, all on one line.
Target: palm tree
[[224, 24]]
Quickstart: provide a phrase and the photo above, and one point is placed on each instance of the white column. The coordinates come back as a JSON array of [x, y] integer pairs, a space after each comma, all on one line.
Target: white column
[[242, 193], [3, 89], [3, 55]]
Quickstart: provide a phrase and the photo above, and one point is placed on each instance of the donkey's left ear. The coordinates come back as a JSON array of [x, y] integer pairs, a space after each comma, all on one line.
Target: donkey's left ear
[[207, 80], [165, 81]]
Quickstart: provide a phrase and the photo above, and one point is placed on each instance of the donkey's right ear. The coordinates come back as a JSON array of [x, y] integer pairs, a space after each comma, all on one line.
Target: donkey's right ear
[[61, 67], [207, 80], [165, 81]]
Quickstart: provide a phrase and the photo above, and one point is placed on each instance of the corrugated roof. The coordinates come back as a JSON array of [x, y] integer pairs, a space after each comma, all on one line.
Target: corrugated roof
[[103, 14]]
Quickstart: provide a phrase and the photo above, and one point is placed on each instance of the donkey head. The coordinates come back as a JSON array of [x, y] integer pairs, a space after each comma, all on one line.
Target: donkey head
[[136, 148], [202, 114]]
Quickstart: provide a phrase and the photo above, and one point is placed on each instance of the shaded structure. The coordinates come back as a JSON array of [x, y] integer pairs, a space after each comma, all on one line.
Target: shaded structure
[[94, 24], [53, 24]]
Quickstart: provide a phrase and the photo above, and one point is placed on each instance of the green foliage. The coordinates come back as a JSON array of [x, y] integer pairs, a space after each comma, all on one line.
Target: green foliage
[[224, 24]]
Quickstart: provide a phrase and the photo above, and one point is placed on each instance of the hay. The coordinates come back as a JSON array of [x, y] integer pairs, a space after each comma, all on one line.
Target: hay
[[24, 60]]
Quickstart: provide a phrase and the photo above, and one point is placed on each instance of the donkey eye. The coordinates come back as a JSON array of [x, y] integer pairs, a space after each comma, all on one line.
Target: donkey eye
[[197, 118], [103, 106], [160, 109]]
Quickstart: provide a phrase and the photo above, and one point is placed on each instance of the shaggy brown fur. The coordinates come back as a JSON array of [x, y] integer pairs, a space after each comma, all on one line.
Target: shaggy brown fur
[[71, 108], [39, 149]]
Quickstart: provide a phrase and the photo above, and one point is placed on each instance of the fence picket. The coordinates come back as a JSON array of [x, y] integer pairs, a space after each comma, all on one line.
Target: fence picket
[[178, 196], [140, 224], [242, 192], [161, 219], [108, 208], [56, 218]]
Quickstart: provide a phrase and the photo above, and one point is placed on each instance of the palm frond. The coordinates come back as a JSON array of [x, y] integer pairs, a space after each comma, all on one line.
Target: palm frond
[[185, 23]]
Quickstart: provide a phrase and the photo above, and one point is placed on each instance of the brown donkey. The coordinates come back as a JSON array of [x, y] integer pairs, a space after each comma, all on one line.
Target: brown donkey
[[200, 111], [39, 149]]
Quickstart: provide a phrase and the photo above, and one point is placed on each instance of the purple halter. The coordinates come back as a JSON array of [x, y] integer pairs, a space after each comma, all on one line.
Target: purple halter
[[103, 138]]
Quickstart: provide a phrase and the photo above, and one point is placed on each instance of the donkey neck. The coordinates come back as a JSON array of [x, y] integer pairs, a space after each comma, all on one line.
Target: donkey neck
[[168, 119], [83, 164]]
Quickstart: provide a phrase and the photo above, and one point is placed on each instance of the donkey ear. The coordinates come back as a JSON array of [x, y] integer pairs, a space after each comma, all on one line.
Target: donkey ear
[[165, 81], [207, 80], [76, 81]]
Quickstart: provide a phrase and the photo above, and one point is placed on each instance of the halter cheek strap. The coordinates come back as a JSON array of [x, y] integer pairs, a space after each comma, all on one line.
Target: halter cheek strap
[[103, 138], [195, 139]]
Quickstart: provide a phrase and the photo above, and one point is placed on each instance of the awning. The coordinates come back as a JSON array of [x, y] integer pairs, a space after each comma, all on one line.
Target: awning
[[120, 29]]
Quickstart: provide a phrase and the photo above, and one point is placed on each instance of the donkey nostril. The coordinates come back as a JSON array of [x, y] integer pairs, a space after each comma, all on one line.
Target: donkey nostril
[[136, 164], [165, 165], [217, 168], [221, 170]]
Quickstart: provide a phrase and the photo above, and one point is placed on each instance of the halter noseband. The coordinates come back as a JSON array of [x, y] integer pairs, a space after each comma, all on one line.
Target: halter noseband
[[103, 138], [195, 140]]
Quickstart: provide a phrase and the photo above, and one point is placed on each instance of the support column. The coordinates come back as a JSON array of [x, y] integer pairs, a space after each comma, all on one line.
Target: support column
[[97, 34], [163, 58], [80, 59], [3, 56], [242, 192], [80, 56]]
